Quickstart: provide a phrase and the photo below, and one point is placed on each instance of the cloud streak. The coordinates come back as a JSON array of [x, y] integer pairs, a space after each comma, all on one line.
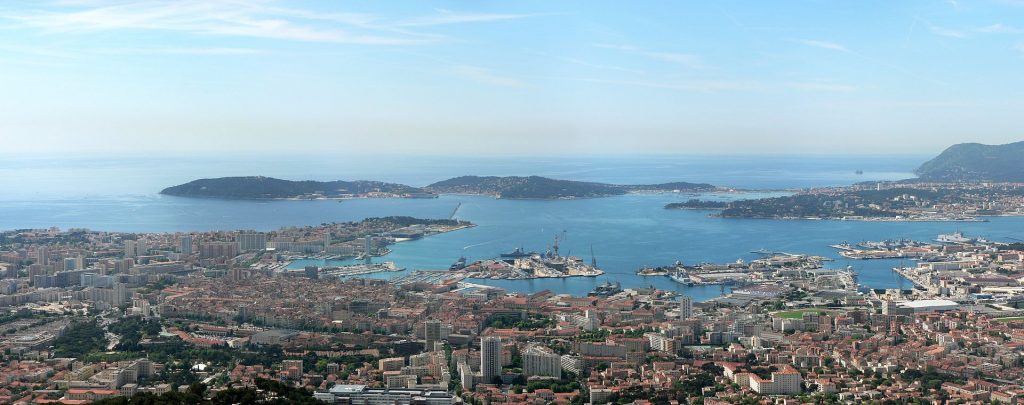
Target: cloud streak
[[945, 32], [261, 20], [446, 17], [823, 87], [682, 59], [485, 76], [699, 86], [999, 28], [183, 51], [823, 44]]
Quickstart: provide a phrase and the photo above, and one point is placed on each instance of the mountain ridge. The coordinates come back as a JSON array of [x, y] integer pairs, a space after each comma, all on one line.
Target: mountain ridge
[[970, 162]]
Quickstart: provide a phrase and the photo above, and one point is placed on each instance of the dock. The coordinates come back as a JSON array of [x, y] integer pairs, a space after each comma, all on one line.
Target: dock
[[429, 277]]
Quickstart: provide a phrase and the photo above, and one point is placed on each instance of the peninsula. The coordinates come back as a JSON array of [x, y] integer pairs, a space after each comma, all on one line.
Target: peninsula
[[889, 201], [963, 183], [511, 187], [262, 188], [536, 187], [973, 162]]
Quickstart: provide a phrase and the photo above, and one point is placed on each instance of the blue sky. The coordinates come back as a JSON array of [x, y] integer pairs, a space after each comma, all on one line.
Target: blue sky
[[503, 77]]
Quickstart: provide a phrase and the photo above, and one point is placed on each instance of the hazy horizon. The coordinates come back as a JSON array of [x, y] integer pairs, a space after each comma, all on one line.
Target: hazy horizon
[[522, 78]]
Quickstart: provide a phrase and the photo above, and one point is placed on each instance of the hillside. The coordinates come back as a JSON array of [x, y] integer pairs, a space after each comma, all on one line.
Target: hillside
[[536, 187], [259, 187], [976, 162]]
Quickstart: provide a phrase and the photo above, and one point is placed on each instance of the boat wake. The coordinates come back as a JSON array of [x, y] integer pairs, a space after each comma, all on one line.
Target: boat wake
[[479, 244]]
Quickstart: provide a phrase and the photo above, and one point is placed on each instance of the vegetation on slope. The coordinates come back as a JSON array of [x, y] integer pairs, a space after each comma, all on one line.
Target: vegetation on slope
[[536, 187], [976, 162], [259, 187]]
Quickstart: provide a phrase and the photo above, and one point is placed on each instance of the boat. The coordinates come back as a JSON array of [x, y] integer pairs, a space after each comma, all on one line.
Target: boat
[[955, 237], [459, 264], [680, 277], [515, 254], [606, 290]]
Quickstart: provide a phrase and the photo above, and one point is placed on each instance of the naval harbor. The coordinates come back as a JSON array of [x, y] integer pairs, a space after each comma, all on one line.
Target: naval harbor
[[770, 271]]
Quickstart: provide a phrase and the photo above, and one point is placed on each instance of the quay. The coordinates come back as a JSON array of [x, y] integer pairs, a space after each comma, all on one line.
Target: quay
[[429, 277]]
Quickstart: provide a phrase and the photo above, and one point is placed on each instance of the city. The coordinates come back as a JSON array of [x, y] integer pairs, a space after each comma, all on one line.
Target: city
[[436, 202], [94, 316]]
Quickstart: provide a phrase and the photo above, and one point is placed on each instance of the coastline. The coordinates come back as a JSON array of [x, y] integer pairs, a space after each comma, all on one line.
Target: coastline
[[291, 259]]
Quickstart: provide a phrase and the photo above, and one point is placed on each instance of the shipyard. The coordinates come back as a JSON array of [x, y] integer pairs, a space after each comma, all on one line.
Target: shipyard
[[776, 266], [522, 265]]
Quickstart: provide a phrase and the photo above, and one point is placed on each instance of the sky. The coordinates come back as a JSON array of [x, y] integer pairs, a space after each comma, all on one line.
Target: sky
[[508, 77]]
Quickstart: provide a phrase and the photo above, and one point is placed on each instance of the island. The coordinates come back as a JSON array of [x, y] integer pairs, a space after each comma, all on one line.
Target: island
[[537, 187], [265, 188]]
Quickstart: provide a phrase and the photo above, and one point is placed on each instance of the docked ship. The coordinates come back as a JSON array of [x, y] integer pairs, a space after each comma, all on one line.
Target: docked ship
[[606, 290], [957, 237], [516, 254], [459, 264], [680, 276]]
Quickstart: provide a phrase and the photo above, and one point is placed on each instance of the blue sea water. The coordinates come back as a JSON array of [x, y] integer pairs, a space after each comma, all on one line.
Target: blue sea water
[[626, 232]]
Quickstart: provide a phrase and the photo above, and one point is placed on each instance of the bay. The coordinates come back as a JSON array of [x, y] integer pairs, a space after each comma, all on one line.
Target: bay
[[626, 232]]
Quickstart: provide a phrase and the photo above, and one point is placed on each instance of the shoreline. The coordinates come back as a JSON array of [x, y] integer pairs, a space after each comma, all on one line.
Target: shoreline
[[724, 190], [289, 262], [872, 219]]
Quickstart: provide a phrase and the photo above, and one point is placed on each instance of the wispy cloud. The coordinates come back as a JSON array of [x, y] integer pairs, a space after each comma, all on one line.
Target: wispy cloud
[[485, 76], [201, 18], [823, 44], [182, 51], [700, 86], [1000, 28], [683, 59], [823, 87], [261, 19], [945, 32], [37, 51], [445, 17], [842, 48], [582, 62]]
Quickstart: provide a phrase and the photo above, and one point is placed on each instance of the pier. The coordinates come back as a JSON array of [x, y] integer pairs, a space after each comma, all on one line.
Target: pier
[[918, 279], [429, 277]]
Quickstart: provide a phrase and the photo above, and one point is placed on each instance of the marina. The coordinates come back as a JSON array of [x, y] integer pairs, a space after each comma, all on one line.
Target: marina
[[358, 270]]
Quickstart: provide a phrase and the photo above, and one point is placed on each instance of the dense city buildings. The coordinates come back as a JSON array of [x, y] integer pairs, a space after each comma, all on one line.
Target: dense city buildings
[[132, 315]]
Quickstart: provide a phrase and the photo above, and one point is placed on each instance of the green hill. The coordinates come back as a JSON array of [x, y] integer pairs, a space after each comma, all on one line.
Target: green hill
[[976, 162], [536, 187], [259, 187]]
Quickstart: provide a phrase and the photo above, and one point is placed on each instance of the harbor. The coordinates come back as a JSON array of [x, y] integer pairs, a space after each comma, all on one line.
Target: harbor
[[358, 270], [771, 269], [522, 265]]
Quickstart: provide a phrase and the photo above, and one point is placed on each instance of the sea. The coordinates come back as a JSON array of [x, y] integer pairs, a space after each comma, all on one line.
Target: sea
[[621, 233]]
